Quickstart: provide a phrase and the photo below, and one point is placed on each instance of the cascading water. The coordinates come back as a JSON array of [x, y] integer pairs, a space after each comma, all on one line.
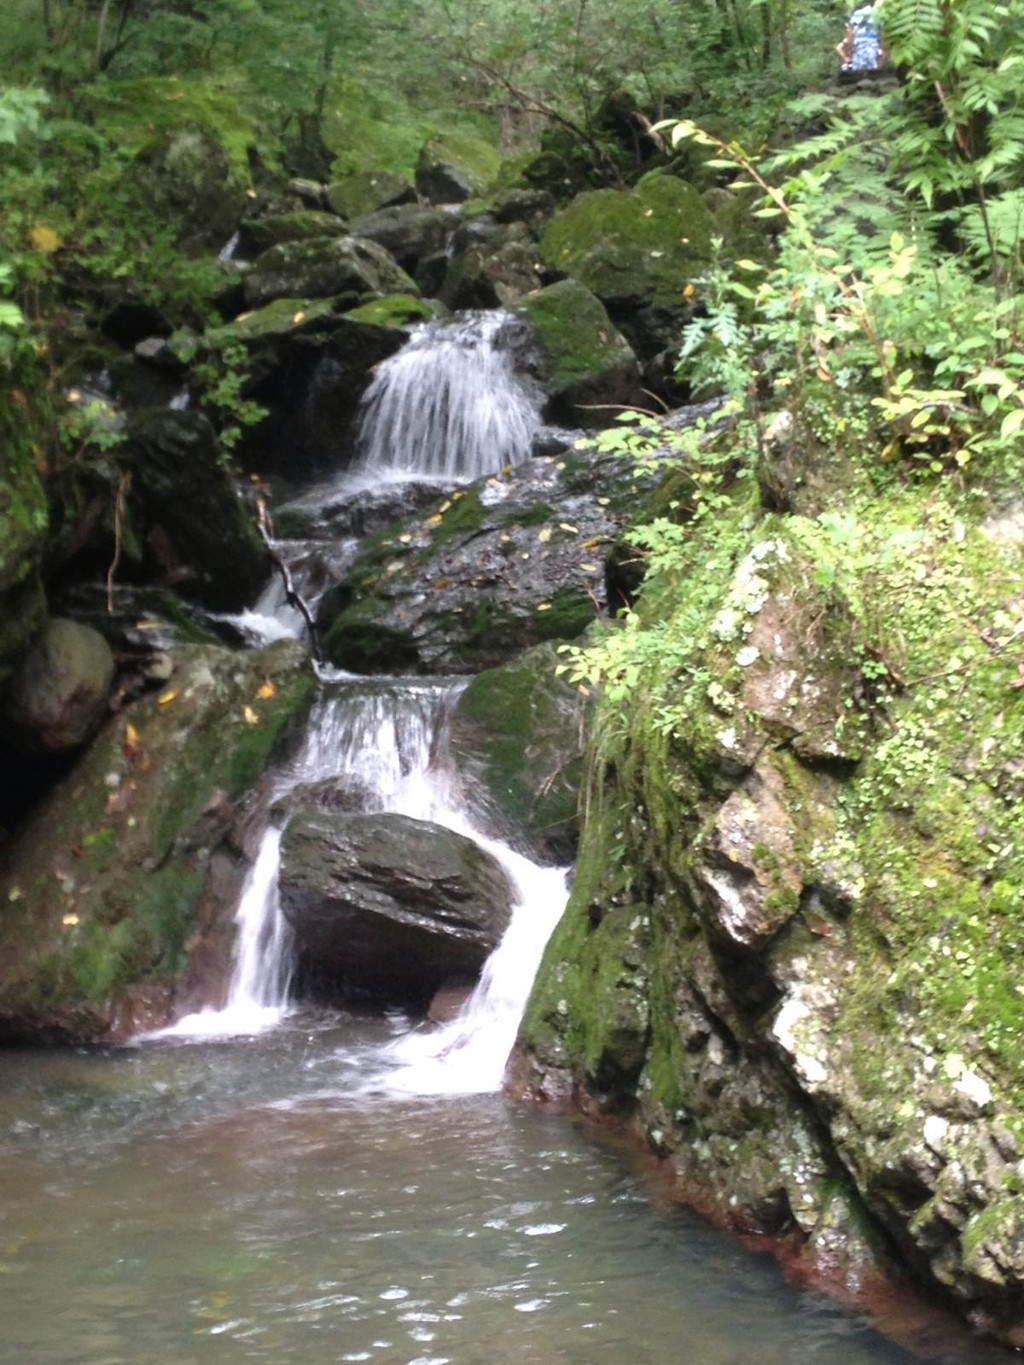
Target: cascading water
[[451, 405], [379, 743]]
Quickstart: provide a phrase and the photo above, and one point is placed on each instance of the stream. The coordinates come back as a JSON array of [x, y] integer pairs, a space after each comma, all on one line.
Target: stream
[[268, 1182]]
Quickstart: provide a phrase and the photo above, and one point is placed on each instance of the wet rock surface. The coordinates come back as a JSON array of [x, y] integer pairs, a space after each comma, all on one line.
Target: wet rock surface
[[587, 366], [519, 733], [326, 267], [386, 907], [58, 698], [125, 880], [208, 539], [780, 953], [492, 569]]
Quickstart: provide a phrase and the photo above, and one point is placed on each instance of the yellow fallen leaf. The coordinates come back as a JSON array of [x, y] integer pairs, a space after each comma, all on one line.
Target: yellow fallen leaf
[[458, 495], [267, 690], [505, 538], [564, 526], [544, 534], [44, 238], [444, 506], [589, 568], [165, 698], [689, 292], [432, 521], [543, 606], [69, 921], [251, 718], [441, 583], [73, 395], [297, 317], [604, 501], [404, 540], [584, 690], [14, 894], [147, 625]]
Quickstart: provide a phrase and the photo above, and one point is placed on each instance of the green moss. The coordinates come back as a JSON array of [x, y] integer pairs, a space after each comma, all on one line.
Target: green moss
[[577, 335], [642, 244], [536, 515], [134, 113], [478, 160], [394, 310]]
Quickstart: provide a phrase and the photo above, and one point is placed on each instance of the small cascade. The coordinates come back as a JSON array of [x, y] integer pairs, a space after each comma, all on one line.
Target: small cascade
[[451, 404], [378, 743], [258, 993], [468, 1056], [227, 251]]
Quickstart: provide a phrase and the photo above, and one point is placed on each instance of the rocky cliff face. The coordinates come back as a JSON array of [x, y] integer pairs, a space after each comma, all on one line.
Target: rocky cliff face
[[792, 951]]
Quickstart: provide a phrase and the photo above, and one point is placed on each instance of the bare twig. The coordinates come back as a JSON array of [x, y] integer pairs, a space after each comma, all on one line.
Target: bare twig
[[291, 594], [119, 508]]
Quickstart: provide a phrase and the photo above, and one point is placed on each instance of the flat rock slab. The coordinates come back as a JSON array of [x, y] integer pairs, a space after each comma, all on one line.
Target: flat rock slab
[[386, 907]]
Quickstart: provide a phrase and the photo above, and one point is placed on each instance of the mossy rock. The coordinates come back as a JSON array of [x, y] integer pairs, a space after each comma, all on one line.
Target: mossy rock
[[473, 579], [185, 495], [394, 310], [188, 180], [326, 267], [256, 235], [132, 864], [632, 247], [520, 732], [280, 318], [455, 166], [814, 795], [585, 359], [365, 192]]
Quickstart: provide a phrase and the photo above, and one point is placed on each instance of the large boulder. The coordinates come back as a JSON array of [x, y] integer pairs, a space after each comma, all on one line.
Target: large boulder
[[409, 232], [453, 167], [189, 181], [482, 276], [586, 363], [199, 530], [632, 247], [792, 946], [58, 697], [120, 889], [364, 192], [326, 267], [506, 563], [257, 235], [386, 907], [308, 364], [518, 735]]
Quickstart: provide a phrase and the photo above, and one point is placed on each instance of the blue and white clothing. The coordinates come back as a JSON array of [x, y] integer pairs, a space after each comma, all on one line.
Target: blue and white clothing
[[867, 39]]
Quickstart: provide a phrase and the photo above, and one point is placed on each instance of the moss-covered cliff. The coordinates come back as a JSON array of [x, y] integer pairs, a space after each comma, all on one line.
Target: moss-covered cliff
[[792, 950]]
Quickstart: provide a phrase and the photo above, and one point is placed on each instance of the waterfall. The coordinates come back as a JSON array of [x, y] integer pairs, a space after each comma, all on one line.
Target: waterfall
[[376, 743], [450, 405]]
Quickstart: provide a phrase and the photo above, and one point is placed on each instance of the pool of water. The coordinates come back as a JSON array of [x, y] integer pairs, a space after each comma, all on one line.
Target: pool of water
[[274, 1200]]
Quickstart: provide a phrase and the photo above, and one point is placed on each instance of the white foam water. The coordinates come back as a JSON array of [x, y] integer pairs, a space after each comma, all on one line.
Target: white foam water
[[381, 742], [258, 993], [450, 404]]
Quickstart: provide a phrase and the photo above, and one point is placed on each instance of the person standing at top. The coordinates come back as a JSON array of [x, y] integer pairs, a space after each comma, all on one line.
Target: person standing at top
[[861, 48]]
